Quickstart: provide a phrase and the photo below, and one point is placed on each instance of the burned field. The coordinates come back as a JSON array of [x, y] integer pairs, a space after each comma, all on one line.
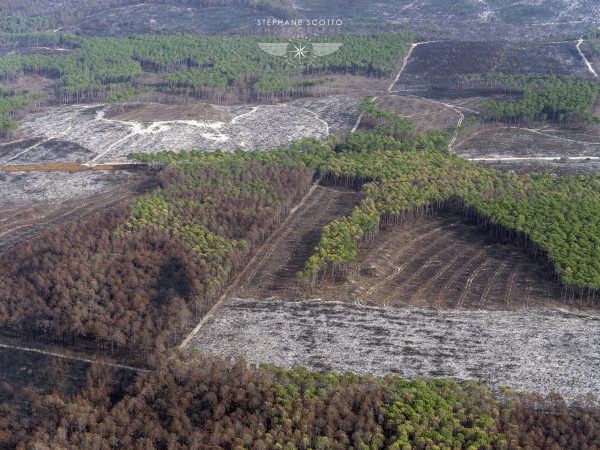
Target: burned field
[[438, 83], [437, 70], [497, 142], [558, 167], [457, 19], [537, 350], [432, 296], [424, 114], [101, 133], [33, 202], [163, 18], [430, 262], [40, 371], [440, 262]]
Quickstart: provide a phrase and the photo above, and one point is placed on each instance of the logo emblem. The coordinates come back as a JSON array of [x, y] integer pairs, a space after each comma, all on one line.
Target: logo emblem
[[299, 51]]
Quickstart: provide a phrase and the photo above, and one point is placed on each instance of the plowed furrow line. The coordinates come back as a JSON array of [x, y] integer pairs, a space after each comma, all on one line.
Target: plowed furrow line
[[476, 257], [417, 295], [399, 269], [405, 285], [274, 245], [377, 251], [490, 283], [469, 282]]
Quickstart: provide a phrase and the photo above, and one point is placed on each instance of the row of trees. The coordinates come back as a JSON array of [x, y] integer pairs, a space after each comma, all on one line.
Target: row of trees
[[194, 63], [9, 104], [556, 212], [547, 98], [18, 24], [140, 277], [13, 104], [213, 403]]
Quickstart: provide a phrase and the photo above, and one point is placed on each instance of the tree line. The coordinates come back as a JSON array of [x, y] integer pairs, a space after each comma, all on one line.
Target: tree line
[[546, 98], [12, 104], [140, 277], [556, 213], [198, 402], [200, 66]]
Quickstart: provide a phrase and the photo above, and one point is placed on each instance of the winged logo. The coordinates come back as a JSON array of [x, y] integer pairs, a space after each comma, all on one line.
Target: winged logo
[[275, 49], [324, 49], [318, 49]]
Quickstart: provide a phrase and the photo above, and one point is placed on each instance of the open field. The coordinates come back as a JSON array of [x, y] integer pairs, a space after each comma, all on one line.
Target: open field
[[156, 112], [147, 18], [424, 114], [23, 188], [490, 141], [560, 167], [465, 19], [431, 84], [457, 19], [85, 134], [434, 69], [440, 262], [339, 111], [534, 350], [541, 147], [26, 215]]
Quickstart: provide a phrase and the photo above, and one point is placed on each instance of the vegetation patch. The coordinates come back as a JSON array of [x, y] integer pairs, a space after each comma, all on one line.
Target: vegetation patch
[[215, 67], [212, 402]]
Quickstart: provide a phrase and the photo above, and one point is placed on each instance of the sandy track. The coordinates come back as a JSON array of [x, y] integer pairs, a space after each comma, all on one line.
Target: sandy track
[[71, 357], [275, 275], [257, 260], [95, 138], [393, 83], [585, 60]]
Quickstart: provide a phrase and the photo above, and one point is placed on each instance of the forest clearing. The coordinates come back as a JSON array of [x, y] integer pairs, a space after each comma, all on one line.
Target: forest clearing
[[529, 349]]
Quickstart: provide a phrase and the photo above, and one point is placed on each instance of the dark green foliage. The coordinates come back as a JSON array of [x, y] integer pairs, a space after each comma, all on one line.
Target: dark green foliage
[[190, 64], [547, 98], [10, 103], [558, 213], [595, 47]]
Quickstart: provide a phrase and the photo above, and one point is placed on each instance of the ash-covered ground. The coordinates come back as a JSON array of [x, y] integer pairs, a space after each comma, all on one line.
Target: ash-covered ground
[[539, 350], [456, 19], [23, 188], [86, 134]]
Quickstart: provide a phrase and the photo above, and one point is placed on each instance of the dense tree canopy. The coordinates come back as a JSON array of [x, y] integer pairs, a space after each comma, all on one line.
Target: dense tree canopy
[[557, 213], [194, 65], [210, 403], [138, 279], [546, 98], [12, 102]]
